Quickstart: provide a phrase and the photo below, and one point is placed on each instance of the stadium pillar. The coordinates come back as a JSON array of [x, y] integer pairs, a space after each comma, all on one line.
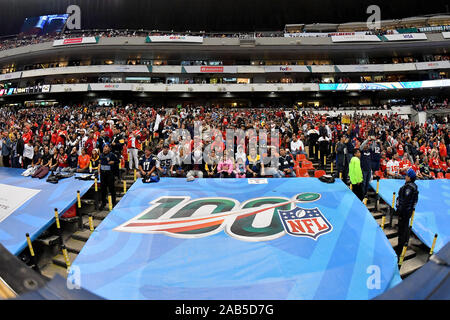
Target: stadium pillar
[[78, 211], [432, 246], [392, 210], [109, 202], [58, 226], [66, 256], [33, 257], [91, 223]]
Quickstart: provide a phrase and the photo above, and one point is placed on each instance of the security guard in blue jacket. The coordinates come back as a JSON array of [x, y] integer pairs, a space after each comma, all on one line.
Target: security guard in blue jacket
[[408, 196], [106, 169]]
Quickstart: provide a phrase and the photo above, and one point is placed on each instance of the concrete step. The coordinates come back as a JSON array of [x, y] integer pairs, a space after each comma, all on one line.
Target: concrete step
[[100, 215], [378, 217], [383, 206], [51, 269], [409, 266], [410, 254], [95, 222], [59, 259], [82, 235], [74, 245], [390, 232], [87, 202], [49, 241], [371, 194]]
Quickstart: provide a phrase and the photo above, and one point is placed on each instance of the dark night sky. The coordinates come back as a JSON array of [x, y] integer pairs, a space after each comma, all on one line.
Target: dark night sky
[[210, 15]]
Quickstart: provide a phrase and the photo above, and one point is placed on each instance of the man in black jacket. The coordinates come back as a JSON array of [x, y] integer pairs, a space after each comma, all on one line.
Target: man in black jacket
[[408, 196], [341, 158], [366, 163], [107, 161]]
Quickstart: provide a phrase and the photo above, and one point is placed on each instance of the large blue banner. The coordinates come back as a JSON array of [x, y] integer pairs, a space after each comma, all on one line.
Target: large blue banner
[[294, 238], [27, 205], [432, 214]]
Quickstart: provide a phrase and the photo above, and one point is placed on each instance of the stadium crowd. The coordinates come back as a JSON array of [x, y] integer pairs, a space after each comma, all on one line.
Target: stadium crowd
[[74, 139]]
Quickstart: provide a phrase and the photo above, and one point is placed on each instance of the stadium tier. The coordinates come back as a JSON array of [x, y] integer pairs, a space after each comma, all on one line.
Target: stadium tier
[[300, 163]]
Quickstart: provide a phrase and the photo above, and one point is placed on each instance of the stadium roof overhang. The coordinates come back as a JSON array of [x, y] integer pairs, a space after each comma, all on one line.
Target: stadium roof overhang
[[231, 52]]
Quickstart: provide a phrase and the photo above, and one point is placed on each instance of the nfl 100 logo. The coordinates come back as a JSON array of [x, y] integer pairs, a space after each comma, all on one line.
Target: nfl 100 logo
[[302, 222], [256, 219]]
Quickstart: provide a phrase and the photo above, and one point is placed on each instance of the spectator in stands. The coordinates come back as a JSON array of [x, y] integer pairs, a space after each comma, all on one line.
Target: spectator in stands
[[225, 167], [433, 163], [43, 170], [61, 159], [285, 165], [83, 161], [341, 158], [366, 164], [105, 170], [254, 166], [324, 144], [147, 165], [6, 148], [393, 168], [16, 152], [211, 165], [355, 174], [72, 160], [297, 147], [28, 153], [166, 161], [240, 169]]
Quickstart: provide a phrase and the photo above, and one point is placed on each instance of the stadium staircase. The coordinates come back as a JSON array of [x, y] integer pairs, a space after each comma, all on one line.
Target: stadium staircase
[[417, 253], [74, 234]]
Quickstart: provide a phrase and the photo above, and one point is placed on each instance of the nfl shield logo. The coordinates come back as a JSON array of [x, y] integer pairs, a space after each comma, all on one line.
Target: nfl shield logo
[[301, 222]]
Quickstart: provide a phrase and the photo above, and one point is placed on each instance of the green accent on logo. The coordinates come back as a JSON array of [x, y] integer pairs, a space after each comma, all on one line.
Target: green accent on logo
[[164, 205], [308, 197], [243, 226]]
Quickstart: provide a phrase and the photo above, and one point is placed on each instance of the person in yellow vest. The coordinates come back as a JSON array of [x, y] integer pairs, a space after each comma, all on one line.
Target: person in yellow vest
[[355, 174], [254, 165], [94, 161]]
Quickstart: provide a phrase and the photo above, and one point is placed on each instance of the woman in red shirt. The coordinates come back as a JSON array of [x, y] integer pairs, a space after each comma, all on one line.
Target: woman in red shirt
[[434, 162], [61, 159]]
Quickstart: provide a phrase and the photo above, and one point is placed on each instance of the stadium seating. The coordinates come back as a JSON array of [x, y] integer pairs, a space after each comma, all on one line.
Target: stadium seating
[[308, 165], [379, 174], [319, 173], [302, 172], [300, 157]]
